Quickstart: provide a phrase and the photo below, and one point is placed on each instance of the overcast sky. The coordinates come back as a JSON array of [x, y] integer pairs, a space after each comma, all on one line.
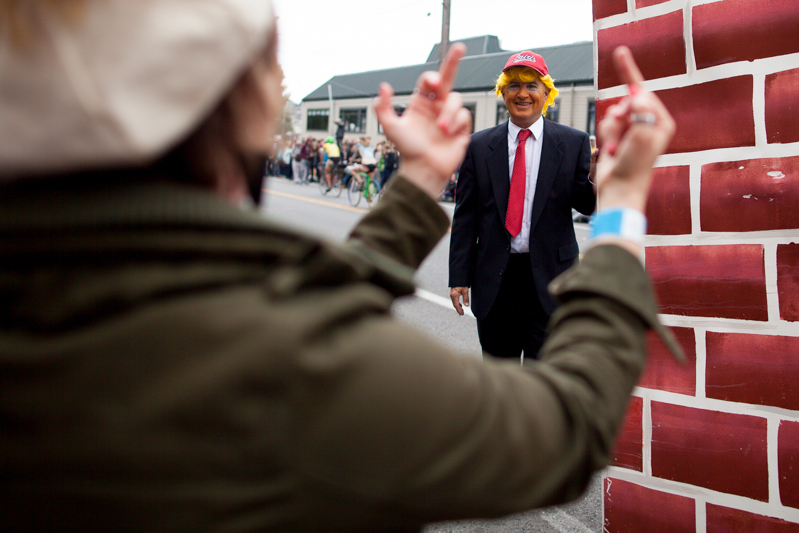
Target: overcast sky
[[320, 39]]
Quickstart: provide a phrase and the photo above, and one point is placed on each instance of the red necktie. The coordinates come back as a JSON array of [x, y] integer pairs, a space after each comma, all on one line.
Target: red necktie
[[518, 182]]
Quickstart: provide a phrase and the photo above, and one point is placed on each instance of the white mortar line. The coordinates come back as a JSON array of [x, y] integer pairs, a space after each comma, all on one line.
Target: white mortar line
[[700, 335], [701, 514], [695, 189], [647, 434], [688, 36], [759, 108], [772, 447], [770, 265]]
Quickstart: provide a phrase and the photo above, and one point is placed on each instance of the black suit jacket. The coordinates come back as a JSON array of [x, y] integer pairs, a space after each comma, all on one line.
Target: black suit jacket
[[480, 244]]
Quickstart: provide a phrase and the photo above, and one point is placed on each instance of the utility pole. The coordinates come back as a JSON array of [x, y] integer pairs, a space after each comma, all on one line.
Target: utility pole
[[444, 46]]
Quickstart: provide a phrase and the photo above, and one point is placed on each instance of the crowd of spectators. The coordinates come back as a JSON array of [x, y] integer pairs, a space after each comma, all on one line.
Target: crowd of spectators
[[303, 159]]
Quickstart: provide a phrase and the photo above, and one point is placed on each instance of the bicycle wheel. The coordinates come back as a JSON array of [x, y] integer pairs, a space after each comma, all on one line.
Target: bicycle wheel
[[323, 188], [336, 184], [354, 191], [372, 193]]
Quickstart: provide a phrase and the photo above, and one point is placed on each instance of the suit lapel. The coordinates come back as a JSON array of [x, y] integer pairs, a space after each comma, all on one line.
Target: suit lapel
[[551, 154], [498, 169]]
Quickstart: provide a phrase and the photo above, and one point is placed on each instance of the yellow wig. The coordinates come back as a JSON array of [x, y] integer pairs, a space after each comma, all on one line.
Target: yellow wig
[[526, 75]]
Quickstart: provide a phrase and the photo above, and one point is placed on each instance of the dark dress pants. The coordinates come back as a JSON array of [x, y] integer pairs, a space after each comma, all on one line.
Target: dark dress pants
[[516, 323]]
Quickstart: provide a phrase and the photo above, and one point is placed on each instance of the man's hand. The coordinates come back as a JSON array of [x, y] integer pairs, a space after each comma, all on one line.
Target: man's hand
[[433, 132], [455, 294], [634, 133]]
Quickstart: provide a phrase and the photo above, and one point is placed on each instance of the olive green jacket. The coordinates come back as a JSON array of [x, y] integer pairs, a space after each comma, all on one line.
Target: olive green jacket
[[171, 363]]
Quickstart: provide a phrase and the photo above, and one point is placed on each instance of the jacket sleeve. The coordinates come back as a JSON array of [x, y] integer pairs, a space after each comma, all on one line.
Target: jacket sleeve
[[583, 193], [395, 428], [463, 239], [404, 226]]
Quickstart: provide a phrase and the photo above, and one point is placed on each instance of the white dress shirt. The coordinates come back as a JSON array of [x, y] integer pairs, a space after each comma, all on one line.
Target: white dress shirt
[[532, 162]]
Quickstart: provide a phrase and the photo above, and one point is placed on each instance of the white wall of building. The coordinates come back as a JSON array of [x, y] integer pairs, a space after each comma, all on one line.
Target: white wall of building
[[573, 104]]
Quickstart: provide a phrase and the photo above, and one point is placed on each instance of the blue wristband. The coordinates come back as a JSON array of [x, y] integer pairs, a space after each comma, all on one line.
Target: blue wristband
[[623, 222]]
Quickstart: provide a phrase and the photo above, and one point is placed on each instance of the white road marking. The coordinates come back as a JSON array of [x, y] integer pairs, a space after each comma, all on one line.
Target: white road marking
[[440, 300], [564, 522]]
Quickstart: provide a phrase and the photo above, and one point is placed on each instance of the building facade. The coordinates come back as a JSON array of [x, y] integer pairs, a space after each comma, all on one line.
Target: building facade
[[350, 97]]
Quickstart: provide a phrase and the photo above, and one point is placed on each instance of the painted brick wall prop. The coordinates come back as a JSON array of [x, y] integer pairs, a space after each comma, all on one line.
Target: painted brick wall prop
[[628, 452], [719, 451], [782, 106], [663, 372], [631, 508], [727, 520], [788, 281], [744, 30], [788, 460], [720, 435], [753, 369], [669, 207], [724, 281], [656, 43], [753, 195]]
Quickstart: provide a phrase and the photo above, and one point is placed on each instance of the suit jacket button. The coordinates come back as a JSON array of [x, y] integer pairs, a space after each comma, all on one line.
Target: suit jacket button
[[501, 271]]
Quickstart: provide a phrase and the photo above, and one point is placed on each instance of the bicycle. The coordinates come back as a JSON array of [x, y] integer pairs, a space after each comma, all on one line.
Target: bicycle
[[336, 181], [367, 188]]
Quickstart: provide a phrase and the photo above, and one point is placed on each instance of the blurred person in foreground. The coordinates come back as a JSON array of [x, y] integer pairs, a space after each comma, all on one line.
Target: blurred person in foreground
[[172, 360]]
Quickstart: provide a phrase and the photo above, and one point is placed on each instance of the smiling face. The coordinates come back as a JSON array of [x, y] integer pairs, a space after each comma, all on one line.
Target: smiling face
[[525, 100]]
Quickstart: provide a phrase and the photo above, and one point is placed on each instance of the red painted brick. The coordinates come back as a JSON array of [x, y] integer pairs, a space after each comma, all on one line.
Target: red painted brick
[[751, 195], [782, 106], [631, 508], [788, 463], [602, 107], [744, 30], [788, 281], [646, 3], [719, 451], [725, 281], [669, 207], [656, 43], [629, 450], [717, 114], [756, 369], [663, 372], [607, 8], [726, 520]]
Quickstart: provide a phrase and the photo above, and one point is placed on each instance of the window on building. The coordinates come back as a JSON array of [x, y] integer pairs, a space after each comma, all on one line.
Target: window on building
[[553, 111], [317, 119], [502, 112], [472, 107], [354, 119], [591, 125], [399, 110]]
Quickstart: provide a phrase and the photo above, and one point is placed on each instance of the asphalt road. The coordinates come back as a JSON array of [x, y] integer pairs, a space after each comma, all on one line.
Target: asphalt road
[[304, 207]]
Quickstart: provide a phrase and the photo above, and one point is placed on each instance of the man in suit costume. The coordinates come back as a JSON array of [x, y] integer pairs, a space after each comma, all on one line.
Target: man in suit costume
[[511, 237]]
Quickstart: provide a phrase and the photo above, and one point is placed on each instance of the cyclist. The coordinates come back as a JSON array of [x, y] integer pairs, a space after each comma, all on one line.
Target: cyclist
[[333, 158], [363, 160]]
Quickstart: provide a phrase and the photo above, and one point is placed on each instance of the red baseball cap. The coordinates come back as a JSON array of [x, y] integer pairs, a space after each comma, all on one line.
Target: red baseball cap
[[527, 59]]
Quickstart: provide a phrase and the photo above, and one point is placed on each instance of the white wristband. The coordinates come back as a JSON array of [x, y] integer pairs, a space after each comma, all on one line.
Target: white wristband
[[623, 222]]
